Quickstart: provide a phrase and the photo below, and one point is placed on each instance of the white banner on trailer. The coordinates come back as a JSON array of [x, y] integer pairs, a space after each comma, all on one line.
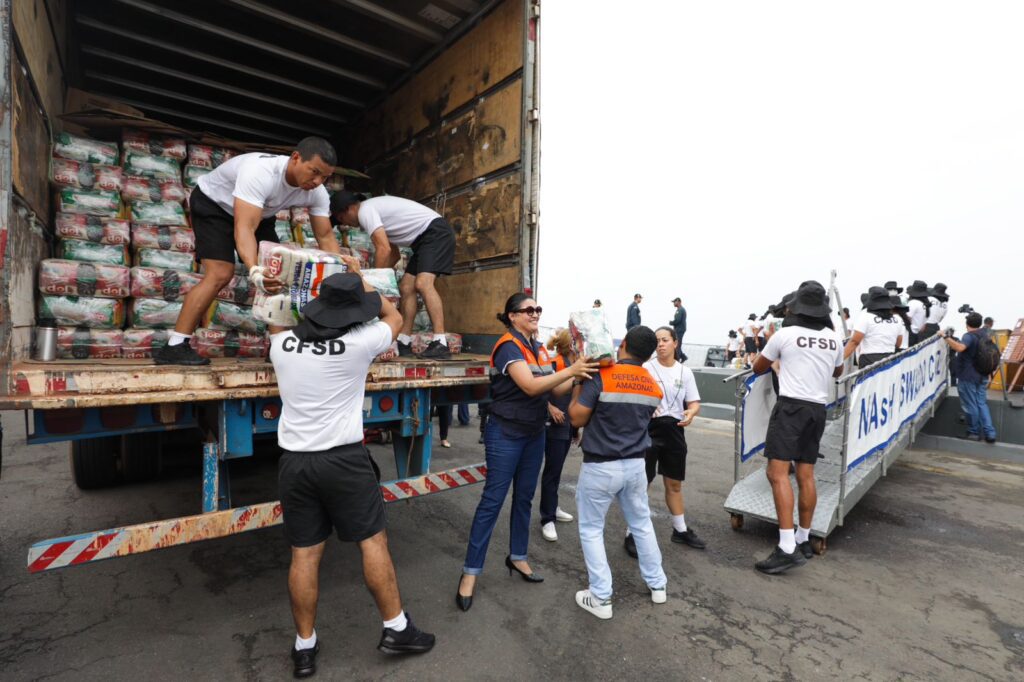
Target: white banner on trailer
[[892, 394], [757, 410]]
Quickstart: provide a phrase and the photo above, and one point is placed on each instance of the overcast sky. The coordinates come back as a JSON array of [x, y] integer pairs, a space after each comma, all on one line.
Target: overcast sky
[[724, 152]]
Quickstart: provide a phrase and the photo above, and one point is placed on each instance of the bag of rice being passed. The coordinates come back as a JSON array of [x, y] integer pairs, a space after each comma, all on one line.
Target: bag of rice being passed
[[301, 271], [591, 337]]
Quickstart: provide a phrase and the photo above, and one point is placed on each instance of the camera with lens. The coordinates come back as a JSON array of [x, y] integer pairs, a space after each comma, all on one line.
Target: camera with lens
[[965, 308], [949, 333]]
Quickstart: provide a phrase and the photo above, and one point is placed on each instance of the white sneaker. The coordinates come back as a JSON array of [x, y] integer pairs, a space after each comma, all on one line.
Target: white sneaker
[[549, 532], [588, 602], [564, 517], [659, 596]]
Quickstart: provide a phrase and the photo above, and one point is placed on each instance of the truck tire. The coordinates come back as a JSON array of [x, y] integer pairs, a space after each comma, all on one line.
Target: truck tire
[[95, 463], [140, 456]]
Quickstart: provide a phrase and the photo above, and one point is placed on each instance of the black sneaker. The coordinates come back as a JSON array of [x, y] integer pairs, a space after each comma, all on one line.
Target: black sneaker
[[969, 436], [630, 545], [779, 562], [990, 440], [411, 640], [805, 549], [181, 354], [688, 537], [436, 351], [405, 350], [305, 661]]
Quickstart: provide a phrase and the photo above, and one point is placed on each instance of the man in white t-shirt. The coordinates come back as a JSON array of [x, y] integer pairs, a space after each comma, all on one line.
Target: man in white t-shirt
[[232, 209], [877, 333], [920, 305], [393, 222], [326, 476], [810, 354], [750, 330]]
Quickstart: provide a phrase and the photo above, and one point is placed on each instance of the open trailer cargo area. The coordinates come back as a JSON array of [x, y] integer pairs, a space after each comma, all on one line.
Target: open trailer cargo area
[[432, 101]]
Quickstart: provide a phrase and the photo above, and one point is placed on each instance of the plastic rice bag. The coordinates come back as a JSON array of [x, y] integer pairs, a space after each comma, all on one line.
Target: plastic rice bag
[[89, 202], [192, 175], [158, 213], [390, 354], [155, 145], [165, 237], [301, 272], [283, 230], [82, 175], [383, 280], [169, 285], [59, 277], [140, 343], [219, 343], [153, 313], [141, 188], [74, 249], [82, 343], [227, 316], [284, 214], [82, 311], [68, 146], [90, 228], [165, 260], [422, 340], [239, 291], [299, 214], [150, 166], [591, 337]]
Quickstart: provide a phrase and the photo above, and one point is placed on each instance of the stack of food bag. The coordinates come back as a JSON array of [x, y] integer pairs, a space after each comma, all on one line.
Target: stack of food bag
[[421, 340], [301, 272], [591, 337], [283, 226]]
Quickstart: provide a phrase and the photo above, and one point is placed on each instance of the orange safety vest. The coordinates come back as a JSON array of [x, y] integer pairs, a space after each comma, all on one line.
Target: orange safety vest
[[539, 364], [559, 364], [508, 400], [622, 383]]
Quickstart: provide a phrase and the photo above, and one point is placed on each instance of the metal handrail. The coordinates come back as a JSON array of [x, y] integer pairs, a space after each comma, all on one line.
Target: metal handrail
[[736, 376]]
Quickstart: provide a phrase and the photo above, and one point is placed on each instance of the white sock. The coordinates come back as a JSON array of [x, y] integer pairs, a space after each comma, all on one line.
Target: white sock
[[802, 534], [397, 623], [786, 540], [443, 338], [177, 337], [301, 644], [679, 522], [404, 338]]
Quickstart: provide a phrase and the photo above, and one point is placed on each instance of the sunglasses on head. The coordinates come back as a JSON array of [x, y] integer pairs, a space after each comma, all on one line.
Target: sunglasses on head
[[530, 310]]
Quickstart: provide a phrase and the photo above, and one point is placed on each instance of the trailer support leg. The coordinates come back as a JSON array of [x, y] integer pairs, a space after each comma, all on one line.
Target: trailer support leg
[[216, 491]]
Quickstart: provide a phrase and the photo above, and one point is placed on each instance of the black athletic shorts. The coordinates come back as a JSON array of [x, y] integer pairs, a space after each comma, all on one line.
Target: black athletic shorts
[[667, 454], [434, 250], [868, 359], [749, 344], [794, 431], [334, 488], [215, 229]]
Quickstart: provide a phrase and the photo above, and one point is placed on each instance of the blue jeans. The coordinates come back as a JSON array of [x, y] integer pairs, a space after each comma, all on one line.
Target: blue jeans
[[464, 414], [555, 452], [510, 461], [626, 481], [974, 400]]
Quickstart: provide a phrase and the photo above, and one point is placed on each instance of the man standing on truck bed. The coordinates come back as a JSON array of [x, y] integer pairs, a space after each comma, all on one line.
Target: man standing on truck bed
[[326, 478], [392, 222], [232, 209]]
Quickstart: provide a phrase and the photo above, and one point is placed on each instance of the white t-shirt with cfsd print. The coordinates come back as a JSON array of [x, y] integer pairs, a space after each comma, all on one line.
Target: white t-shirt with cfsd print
[[807, 359], [918, 315], [258, 179], [678, 387], [403, 220], [322, 386], [880, 335], [938, 311]]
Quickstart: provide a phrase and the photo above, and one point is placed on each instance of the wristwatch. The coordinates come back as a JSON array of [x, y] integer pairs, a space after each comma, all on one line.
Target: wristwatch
[[577, 382]]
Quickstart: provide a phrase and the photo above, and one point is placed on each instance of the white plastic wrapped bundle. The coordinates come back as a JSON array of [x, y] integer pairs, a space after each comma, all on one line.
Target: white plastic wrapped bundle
[[301, 271], [591, 337], [383, 280]]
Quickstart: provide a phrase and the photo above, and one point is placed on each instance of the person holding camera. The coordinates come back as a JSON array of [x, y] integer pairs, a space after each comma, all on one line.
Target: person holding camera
[[972, 384]]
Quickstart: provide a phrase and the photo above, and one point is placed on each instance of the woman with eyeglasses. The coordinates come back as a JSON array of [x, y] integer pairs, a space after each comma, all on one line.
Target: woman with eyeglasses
[[522, 382]]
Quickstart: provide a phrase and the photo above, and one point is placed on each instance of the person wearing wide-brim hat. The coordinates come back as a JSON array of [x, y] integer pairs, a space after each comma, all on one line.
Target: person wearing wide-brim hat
[[326, 477], [919, 305], [877, 333], [937, 311], [893, 288], [899, 311], [810, 355]]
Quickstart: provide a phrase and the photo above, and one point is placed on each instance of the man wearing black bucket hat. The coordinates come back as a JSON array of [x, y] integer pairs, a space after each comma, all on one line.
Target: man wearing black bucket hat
[[877, 333], [810, 354], [393, 222], [920, 305], [326, 477], [938, 310]]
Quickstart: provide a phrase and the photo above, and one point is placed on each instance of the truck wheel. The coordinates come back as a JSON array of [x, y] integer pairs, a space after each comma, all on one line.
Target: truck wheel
[[736, 521], [95, 462], [140, 456]]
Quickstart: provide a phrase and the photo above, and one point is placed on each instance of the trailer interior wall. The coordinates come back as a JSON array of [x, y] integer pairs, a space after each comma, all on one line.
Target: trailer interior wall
[[457, 136], [35, 50]]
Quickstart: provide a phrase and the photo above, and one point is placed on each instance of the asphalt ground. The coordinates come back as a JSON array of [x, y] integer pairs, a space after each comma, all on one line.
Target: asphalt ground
[[924, 581]]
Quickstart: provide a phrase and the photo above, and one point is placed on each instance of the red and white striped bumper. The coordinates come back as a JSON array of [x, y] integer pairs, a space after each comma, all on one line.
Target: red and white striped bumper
[[117, 542]]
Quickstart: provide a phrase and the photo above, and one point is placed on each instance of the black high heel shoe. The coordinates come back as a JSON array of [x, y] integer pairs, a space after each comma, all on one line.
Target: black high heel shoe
[[461, 601], [528, 577]]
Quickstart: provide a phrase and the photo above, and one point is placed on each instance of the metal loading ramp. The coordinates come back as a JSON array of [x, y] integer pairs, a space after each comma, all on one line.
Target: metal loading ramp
[[874, 414]]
